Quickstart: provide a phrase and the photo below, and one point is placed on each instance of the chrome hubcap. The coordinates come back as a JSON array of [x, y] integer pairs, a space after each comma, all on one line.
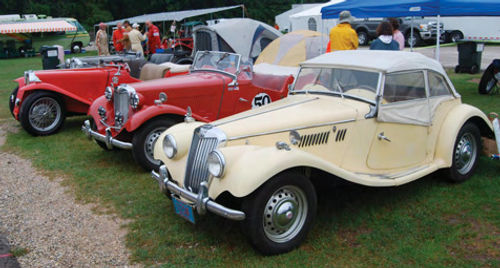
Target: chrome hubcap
[[44, 114], [150, 142], [285, 214], [465, 153], [490, 87]]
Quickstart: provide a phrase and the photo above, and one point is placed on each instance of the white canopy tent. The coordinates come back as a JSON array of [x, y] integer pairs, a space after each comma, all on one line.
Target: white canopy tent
[[174, 15], [307, 19]]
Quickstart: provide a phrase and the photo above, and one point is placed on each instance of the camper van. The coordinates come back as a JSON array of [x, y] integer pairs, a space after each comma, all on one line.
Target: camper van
[[25, 33]]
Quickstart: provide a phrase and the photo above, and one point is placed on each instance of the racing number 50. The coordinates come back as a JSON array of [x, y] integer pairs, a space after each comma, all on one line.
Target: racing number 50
[[261, 99]]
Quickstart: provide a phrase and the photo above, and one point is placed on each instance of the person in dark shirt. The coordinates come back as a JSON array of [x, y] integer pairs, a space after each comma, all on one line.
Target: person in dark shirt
[[384, 40]]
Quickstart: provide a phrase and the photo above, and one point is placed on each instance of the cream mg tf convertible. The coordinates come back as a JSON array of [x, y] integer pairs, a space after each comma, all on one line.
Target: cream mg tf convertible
[[374, 118]]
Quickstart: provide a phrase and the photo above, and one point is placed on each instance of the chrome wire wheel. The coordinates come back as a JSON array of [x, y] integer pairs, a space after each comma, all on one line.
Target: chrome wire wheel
[[44, 114], [465, 153], [285, 214], [149, 144]]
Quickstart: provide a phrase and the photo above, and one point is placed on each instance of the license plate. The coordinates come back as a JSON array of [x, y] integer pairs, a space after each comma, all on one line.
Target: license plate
[[184, 210]]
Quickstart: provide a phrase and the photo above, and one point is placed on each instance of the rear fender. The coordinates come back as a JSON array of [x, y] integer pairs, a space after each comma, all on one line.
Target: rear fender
[[456, 118], [146, 113]]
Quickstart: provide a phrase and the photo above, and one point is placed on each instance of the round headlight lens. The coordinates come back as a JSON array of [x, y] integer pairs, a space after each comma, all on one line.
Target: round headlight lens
[[169, 146], [134, 100], [216, 163], [108, 93]]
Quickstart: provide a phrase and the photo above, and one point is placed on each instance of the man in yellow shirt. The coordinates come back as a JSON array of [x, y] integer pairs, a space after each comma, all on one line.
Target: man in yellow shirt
[[342, 36]]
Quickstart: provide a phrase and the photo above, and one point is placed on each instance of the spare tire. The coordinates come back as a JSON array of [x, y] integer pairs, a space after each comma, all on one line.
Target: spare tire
[[489, 82]]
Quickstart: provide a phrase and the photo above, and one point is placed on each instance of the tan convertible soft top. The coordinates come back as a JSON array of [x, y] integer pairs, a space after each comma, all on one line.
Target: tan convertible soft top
[[377, 60]]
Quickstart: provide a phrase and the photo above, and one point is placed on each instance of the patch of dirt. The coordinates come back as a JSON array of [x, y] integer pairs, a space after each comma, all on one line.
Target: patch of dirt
[[43, 217], [482, 242], [474, 80]]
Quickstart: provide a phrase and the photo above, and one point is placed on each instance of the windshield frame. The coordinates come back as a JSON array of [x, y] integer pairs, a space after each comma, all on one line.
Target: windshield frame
[[224, 54], [340, 94]]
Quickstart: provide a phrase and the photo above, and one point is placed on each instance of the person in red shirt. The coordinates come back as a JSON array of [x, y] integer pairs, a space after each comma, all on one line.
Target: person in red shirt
[[154, 41], [117, 37]]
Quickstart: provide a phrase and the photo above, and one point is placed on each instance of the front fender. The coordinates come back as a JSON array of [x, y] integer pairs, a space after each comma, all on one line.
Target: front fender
[[148, 112], [249, 166], [456, 118]]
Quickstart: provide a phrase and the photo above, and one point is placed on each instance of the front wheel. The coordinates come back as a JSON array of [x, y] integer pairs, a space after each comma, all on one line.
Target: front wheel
[[488, 83], [362, 38], [465, 153], [413, 40], [144, 140], [280, 213], [42, 113]]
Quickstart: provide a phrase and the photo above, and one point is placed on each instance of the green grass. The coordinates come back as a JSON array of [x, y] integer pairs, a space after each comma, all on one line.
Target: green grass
[[426, 223], [19, 252]]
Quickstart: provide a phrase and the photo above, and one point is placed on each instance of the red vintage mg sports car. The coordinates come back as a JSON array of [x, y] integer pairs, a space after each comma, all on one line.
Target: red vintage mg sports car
[[44, 98], [132, 116]]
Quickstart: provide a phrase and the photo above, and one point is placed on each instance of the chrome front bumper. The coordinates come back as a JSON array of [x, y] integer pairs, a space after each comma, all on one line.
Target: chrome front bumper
[[201, 202], [107, 139]]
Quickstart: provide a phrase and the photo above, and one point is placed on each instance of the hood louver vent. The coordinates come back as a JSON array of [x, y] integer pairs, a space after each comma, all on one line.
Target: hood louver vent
[[341, 135], [314, 139]]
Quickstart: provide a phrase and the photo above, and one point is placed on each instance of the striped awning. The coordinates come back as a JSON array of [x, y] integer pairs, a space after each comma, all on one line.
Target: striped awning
[[36, 26]]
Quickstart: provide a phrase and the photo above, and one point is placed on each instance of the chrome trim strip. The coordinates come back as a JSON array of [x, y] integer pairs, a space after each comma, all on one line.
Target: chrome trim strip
[[395, 175], [263, 112], [201, 202], [107, 139], [291, 129]]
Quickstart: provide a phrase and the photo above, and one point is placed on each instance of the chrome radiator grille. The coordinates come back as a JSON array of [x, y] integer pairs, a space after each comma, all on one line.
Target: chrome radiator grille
[[121, 104], [196, 169]]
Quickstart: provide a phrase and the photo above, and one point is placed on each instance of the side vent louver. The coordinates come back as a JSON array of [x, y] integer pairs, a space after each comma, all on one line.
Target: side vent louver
[[314, 139], [340, 135]]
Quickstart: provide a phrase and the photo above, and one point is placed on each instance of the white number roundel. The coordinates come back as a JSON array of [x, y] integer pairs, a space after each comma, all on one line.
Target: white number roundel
[[260, 99]]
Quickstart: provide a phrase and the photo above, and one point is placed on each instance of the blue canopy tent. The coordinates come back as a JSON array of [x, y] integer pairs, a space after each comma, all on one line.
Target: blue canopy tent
[[405, 8]]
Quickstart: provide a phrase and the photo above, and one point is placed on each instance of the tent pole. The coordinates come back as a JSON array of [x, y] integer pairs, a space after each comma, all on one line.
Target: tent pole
[[438, 36]]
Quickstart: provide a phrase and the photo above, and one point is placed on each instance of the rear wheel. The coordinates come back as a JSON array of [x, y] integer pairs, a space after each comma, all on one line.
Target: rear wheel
[[456, 36], [144, 141], [488, 83], [465, 153], [76, 47], [42, 113], [280, 213], [12, 100]]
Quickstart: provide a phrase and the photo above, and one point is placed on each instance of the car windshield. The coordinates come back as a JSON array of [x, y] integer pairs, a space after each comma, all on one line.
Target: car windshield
[[362, 84], [215, 60]]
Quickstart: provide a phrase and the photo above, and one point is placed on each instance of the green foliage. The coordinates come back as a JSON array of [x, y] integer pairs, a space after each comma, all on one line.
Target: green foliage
[[91, 12]]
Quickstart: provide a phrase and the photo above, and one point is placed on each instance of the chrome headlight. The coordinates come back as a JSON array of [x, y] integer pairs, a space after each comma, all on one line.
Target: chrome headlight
[[423, 27], [216, 163], [134, 100], [29, 77], [108, 93], [169, 146]]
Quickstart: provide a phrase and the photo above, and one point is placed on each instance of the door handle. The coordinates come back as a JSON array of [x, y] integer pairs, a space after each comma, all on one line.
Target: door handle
[[243, 100], [381, 136]]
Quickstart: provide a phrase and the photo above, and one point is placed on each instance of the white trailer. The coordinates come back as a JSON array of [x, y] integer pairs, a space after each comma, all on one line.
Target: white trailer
[[472, 28]]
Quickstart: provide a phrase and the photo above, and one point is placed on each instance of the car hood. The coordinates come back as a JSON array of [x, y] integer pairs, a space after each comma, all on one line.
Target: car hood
[[294, 112], [180, 82]]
